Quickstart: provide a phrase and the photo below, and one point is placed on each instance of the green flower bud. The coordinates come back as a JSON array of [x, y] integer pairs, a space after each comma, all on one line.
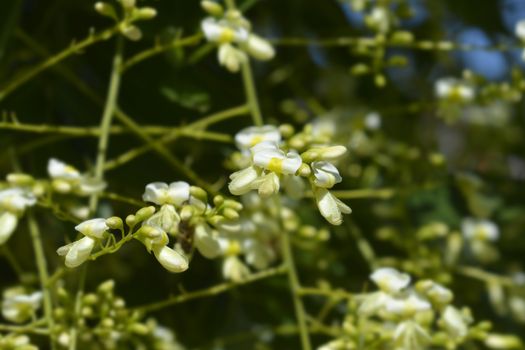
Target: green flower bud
[[229, 203], [287, 130], [115, 223], [131, 220], [186, 212], [145, 13], [230, 214], [212, 8], [107, 287], [19, 179], [199, 193], [105, 9], [144, 213], [218, 200]]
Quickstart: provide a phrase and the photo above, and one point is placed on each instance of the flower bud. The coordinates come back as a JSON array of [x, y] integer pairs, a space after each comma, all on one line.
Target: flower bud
[[115, 223], [145, 13], [199, 193], [287, 130], [144, 213], [229, 203], [61, 186], [186, 212], [230, 214], [259, 48], [218, 200], [19, 179], [212, 8], [105, 9], [107, 287], [131, 220]]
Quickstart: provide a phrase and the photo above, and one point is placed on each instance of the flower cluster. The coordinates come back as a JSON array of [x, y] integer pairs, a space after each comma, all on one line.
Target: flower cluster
[[408, 317], [105, 320], [18, 306], [67, 179], [181, 211], [16, 341], [232, 33], [269, 166]]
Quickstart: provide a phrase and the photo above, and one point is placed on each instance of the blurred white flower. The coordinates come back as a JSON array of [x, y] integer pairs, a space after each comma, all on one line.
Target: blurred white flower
[[331, 208], [390, 280], [479, 229], [171, 259], [326, 174], [249, 137], [19, 307]]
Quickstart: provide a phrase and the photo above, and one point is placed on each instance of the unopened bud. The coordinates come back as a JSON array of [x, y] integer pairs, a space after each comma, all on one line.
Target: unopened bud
[[212, 8], [218, 200], [230, 214], [105, 9], [107, 287], [144, 213], [145, 13], [114, 223], [19, 179], [131, 220], [199, 193], [186, 212], [229, 203]]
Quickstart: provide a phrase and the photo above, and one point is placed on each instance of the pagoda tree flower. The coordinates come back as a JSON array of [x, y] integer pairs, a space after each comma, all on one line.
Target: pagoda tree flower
[[231, 32], [78, 252], [390, 280], [13, 203], [67, 179], [160, 193], [454, 90], [20, 307], [233, 268], [435, 292], [249, 137], [455, 322], [480, 235]]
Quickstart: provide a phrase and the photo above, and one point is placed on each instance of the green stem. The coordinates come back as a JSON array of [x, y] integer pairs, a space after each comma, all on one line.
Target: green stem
[[53, 60], [251, 93], [107, 117], [293, 280], [43, 275], [73, 333]]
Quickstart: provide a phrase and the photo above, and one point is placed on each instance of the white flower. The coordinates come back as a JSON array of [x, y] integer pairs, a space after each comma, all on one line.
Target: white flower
[[454, 89], [520, 29], [331, 208], [94, 228], [222, 32], [326, 174], [259, 48], [390, 280], [372, 121], [234, 270], [160, 193], [454, 322], [407, 305], [207, 245], [268, 184], [170, 259], [249, 137], [231, 57], [409, 335], [77, 252], [16, 200], [167, 219], [379, 19], [267, 155], [8, 223], [18, 307], [478, 229], [57, 169], [242, 181], [257, 254]]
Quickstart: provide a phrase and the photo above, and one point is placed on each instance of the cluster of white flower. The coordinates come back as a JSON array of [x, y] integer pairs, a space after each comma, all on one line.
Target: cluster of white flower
[[182, 213], [232, 33], [20, 307], [269, 166], [454, 90], [257, 240], [408, 317]]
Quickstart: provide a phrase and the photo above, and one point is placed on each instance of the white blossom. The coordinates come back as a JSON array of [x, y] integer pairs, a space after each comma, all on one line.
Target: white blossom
[[454, 89], [8, 223], [16, 200], [267, 155], [160, 193], [242, 181], [231, 57], [249, 137], [170, 259], [219, 31], [326, 174], [390, 280], [207, 245], [19, 307], [520, 29], [234, 270], [331, 208], [78, 252], [454, 322], [259, 48], [57, 169], [479, 229], [407, 305], [94, 228]]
